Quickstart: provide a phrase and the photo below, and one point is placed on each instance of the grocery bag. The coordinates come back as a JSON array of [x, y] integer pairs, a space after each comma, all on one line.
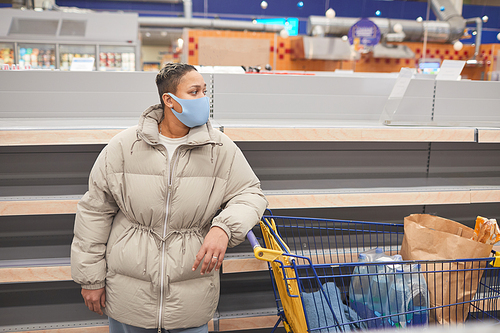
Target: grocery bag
[[428, 237]]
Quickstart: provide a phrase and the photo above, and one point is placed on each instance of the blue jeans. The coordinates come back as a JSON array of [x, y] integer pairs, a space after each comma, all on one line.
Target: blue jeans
[[117, 327]]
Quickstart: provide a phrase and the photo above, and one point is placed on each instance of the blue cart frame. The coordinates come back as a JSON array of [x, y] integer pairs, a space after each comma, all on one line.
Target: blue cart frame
[[312, 262]]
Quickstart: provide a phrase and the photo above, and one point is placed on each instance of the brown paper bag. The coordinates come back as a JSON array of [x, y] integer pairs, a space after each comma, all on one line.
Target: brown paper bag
[[428, 237]]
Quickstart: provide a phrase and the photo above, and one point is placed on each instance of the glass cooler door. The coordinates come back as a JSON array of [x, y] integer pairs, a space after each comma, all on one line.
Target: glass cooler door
[[68, 52], [117, 58], [6, 54], [39, 56]]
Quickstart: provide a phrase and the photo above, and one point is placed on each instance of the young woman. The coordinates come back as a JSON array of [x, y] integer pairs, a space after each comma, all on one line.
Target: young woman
[[147, 240]]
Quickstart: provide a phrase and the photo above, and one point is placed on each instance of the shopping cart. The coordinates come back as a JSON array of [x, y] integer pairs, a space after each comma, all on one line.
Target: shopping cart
[[313, 262]]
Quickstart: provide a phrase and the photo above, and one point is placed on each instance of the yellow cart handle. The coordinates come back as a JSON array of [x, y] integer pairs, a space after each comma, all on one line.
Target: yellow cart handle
[[496, 262]]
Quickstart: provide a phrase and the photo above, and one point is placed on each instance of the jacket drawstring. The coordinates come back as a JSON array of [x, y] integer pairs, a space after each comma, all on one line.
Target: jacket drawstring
[[151, 233], [183, 233], [133, 144], [213, 146]]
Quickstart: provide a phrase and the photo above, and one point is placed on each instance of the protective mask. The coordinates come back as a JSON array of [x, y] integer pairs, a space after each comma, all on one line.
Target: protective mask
[[195, 112]]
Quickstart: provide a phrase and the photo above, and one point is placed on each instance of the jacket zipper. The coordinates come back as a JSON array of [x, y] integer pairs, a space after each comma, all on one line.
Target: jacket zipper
[[169, 188]]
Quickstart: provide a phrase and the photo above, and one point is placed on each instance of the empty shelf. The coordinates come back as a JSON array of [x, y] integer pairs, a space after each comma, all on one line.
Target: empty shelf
[[382, 197], [38, 205], [374, 133], [352, 134], [489, 135], [298, 199], [57, 137], [35, 274]]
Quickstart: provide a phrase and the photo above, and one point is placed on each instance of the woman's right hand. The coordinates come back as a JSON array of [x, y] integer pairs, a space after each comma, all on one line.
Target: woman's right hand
[[95, 299]]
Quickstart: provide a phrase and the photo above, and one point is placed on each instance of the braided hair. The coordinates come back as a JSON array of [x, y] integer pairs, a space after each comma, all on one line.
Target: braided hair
[[168, 78]]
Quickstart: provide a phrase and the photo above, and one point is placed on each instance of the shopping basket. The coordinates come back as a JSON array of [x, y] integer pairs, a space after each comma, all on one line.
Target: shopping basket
[[314, 261]]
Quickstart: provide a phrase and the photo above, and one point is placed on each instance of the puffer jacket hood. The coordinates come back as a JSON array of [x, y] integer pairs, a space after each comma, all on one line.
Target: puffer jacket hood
[[144, 218]]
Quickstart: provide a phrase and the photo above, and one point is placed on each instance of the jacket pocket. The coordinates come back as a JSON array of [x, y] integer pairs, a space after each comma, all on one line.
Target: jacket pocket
[[181, 252], [135, 255]]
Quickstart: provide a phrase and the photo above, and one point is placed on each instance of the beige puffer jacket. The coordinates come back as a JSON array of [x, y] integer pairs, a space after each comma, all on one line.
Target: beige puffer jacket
[[144, 218]]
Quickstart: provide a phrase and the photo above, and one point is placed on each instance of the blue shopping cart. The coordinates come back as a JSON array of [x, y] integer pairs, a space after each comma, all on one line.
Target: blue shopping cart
[[314, 265]]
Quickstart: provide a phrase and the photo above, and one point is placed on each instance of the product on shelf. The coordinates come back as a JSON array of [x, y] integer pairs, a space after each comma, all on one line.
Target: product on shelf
[[6, 56], [117, 61], [37, 58]]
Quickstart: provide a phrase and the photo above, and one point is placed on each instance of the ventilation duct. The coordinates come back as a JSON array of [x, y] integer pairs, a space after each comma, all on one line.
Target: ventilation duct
[[450, 27], [180, 22]]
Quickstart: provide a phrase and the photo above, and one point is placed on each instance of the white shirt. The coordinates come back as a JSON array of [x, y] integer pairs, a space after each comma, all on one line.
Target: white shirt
[[171, 144]]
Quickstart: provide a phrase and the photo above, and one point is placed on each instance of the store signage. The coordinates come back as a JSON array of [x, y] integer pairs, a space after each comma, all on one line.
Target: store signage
[[364, 33], [82, 64]]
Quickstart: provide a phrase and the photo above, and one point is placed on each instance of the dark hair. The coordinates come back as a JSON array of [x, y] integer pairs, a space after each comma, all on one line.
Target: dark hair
[[168, 78]]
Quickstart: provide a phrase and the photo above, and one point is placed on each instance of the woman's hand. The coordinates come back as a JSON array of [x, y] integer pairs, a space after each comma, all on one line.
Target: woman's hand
[[95, 299], [213, 249]]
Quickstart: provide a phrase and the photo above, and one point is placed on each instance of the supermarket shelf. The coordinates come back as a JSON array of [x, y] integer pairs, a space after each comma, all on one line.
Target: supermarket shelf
[[246, 323], [39, 205], [243, 265], [35, 274], [63, 273], [57, 137], [489, 135], [57, 328], [86, 329], [56, 306], [381, 197], [351, 134], [287, 199], [229, 324], [339, 134]]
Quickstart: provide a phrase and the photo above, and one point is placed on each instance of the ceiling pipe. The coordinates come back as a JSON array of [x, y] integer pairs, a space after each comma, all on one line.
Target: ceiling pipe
[[188, 9], [414, 31], [180, 22], [446, 11], [189, 22], [450, 27], [479, 29]]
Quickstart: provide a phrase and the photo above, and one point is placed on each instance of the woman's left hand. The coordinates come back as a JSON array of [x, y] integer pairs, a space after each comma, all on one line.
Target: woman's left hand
[[213, 249]]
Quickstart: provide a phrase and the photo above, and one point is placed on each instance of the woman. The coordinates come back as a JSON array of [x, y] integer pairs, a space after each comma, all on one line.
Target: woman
[[147, 240]]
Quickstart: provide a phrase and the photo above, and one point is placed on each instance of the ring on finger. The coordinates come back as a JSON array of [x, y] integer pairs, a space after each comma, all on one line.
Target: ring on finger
[[214, 257]]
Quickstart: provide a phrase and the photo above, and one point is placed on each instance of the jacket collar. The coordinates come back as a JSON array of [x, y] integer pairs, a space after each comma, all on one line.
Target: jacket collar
[[147, 129]]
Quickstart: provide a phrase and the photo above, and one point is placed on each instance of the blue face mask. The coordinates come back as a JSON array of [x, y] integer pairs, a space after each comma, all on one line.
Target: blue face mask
[[195, 112]]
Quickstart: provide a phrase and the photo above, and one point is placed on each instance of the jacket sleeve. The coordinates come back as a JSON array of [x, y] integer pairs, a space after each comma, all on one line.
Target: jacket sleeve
[[244, 203], [94, 215]]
